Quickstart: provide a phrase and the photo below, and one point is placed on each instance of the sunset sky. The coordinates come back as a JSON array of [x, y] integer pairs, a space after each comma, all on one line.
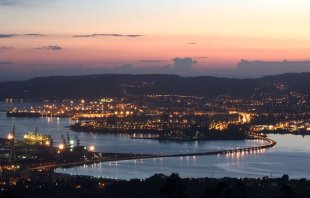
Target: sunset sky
[[146, 33]]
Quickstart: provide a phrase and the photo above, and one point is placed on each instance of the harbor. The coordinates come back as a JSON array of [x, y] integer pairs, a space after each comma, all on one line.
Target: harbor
[[37, 152]]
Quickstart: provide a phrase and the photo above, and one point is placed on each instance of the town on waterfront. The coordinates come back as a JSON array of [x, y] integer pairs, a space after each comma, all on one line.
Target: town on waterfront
[[156, 99], [177, 128]]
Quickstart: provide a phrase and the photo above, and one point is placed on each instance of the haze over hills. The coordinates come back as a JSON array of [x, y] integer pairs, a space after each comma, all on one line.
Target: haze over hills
[[256, 69], [179, 66], [96, 86]]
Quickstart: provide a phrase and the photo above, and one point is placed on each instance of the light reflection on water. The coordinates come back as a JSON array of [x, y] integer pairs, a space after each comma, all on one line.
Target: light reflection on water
[[290, 156], [248, 165], [112, 143]]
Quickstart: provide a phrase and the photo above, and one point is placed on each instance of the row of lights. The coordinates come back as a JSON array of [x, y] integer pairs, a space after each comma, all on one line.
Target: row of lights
[[62, 147]]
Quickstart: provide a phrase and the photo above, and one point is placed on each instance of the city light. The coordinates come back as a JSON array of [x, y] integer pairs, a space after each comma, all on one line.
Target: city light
[[10, 136], [91, 148], [61, 146]]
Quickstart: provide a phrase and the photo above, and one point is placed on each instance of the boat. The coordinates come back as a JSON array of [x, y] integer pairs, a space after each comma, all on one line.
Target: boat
[[38, 138]]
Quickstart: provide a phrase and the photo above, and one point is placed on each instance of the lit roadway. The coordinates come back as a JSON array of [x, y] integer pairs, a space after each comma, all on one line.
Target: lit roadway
[[124, 156]]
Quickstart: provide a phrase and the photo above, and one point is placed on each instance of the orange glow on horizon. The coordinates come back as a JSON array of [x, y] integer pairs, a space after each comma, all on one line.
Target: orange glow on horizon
[[108, 52]]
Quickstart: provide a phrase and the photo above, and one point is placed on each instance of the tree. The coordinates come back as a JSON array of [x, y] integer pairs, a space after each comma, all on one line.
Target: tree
[[173, 187]]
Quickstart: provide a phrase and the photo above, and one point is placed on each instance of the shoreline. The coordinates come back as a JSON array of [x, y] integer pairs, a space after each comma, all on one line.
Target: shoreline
[[271, 143], [153, 133], [189, 140]]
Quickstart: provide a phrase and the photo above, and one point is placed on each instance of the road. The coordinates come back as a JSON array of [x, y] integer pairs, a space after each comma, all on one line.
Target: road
[[124, 156]]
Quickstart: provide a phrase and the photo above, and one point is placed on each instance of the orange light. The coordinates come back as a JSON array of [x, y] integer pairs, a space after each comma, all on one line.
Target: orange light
[[92, 148], [61, 146], [10, 136]]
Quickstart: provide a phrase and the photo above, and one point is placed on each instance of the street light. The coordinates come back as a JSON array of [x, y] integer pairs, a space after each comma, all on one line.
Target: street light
[[92, 148], [61, 147], [10, 136]]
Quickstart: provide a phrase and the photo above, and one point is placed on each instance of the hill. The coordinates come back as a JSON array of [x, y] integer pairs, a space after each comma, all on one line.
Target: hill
[[107, 85]]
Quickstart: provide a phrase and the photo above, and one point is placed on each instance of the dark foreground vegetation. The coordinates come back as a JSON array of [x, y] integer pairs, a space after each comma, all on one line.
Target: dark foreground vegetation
[[156, 186]]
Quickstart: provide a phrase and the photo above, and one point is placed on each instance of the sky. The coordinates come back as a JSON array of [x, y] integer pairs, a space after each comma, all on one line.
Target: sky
[[102, 34]]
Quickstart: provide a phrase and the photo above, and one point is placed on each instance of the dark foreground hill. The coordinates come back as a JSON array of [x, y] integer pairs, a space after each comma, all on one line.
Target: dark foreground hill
[[95, 86]]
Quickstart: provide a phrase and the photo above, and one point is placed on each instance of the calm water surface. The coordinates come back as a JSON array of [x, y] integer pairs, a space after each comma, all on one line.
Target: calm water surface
[[290, 156]]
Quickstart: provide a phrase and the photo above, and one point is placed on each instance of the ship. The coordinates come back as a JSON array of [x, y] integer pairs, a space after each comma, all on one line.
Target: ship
[[38, 138]]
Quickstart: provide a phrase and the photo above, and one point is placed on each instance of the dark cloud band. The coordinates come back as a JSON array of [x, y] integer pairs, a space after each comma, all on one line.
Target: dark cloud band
[[7, 35], [14, 35], [151, 61], [5, 63], [107, 35], [5, 48], [50, 47]]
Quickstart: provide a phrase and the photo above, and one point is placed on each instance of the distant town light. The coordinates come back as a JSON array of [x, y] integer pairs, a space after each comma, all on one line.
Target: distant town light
[[92, 148], [61, 146], [10, 136]]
